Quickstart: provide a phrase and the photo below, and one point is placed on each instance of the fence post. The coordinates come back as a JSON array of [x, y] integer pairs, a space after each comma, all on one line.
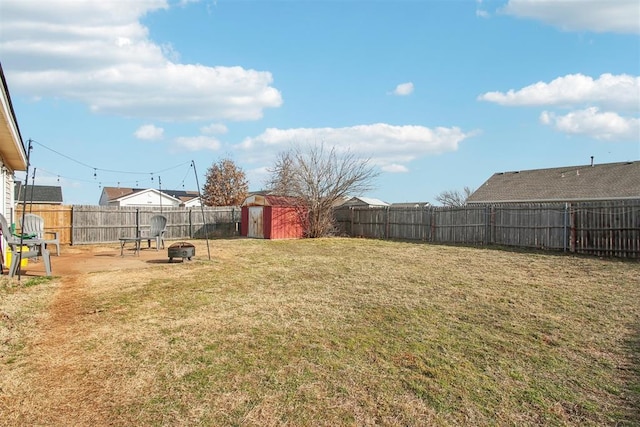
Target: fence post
[[493, 225], [487, 225], [572, 226], [386, 222], [424, 230], [433, 226], [190, 224], [235, 221], [565, 238], [351, 234], [137, 222], [71, 228]]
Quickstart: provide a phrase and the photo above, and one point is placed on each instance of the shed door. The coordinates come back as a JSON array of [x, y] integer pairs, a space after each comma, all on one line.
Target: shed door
[[255, 222]]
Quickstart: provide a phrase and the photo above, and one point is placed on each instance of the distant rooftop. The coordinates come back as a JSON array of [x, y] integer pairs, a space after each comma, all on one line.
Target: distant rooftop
[[607, 181], [43, 194]]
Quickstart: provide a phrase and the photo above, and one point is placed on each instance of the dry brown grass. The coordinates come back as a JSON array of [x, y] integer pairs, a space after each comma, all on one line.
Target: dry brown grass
[[327, 332]]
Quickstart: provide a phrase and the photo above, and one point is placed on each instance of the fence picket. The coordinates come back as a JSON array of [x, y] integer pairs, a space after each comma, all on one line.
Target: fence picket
[[609, 228], [87, 224]]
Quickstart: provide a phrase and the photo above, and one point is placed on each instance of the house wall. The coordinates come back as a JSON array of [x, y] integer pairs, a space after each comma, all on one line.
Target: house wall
[[7, 202], [193, 203], [146, 199], [6, 188], [104, 200]]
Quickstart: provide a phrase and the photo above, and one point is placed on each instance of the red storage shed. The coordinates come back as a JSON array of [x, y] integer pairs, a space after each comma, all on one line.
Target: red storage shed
[[272, 217]]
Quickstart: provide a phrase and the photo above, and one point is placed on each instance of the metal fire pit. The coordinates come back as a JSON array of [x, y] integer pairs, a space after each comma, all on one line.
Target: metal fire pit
[[181, 250]]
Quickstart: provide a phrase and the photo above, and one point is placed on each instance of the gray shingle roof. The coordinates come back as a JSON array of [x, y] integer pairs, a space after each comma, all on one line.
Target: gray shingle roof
[[608, 181], [38, 193]]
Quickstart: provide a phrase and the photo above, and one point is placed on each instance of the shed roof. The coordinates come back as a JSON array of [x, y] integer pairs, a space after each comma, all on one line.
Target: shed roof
[[607, 181], [271, 200]]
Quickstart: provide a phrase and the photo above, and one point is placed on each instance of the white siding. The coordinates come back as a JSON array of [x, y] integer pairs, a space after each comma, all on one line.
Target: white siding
[[148, 198]]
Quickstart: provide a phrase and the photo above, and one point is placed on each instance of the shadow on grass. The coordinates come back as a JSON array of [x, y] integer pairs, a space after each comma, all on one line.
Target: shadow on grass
[[166, 261], [631, 374], [515, 249]]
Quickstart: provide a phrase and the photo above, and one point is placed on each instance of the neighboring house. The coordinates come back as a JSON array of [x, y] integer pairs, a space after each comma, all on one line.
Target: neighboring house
[[13, 156], [138, 197], [38, 194], [147, 197], [188, 199], [595, 182], [363, 202], [411, 205]]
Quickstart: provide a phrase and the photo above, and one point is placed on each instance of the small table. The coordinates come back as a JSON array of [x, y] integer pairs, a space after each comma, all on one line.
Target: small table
[[135, 240]]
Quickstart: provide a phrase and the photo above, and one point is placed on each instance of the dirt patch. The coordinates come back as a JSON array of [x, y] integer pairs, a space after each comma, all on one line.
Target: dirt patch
[[88, 259], [57, 384]]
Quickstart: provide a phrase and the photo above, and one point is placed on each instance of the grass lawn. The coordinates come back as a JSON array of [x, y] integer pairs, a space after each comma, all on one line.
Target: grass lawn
[[327, 332]]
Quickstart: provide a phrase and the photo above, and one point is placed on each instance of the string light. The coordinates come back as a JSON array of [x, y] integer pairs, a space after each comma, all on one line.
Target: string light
[[103, 183], [96, 169]]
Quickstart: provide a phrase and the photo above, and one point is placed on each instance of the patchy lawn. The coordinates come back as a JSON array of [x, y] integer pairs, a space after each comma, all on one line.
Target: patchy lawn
[[323, 332]]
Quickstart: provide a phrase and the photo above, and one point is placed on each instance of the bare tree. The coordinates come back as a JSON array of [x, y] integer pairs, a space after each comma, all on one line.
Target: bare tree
[[319, 178], [226, 184], [454, 197]]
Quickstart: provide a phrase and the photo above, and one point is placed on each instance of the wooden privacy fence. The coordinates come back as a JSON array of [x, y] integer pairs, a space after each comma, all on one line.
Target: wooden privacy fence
[[596, 228], [84, 224]]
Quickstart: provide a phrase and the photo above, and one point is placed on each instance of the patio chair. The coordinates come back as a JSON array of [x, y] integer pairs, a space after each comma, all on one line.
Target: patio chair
[[34, 225], [35, 248], [158, 226]]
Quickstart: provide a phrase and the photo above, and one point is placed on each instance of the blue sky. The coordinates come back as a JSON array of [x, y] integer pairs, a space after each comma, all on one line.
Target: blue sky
[[437, 95]]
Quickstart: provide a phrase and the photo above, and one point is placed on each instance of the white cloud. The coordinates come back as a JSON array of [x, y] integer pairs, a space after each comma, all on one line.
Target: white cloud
[[197, 143], [619, 16], [214, 129], [395, 168], [591, 122], [403, 89], [99, 54], [388, 146], [480, 12], [610, 91], [149, 132]]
